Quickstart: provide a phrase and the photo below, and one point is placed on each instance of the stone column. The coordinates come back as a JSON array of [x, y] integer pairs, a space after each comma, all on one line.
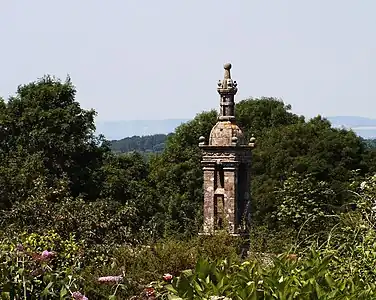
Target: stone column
[[209, 173], [247, 201], [230, 174]]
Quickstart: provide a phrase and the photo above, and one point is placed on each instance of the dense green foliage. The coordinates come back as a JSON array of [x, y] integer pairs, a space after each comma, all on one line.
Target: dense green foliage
[[72, 210]]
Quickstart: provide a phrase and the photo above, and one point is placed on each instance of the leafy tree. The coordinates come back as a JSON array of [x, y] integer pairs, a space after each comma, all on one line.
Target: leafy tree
[[313, 147], [46, 136], [45, 131]]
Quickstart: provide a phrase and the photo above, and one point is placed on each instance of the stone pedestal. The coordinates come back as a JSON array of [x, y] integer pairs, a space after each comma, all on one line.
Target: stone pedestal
[[226, 188]]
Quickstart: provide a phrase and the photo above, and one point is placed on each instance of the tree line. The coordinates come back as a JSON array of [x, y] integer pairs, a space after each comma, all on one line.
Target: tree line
[[46, 137]]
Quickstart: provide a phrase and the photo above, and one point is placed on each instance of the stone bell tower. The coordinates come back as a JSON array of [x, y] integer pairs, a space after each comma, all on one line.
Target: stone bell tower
[[226, 163]]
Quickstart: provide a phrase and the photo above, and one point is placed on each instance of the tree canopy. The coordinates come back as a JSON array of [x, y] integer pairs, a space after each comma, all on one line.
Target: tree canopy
[[46, 134]]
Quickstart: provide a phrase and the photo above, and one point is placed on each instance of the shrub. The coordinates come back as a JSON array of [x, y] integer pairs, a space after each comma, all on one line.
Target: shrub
[[98, 222]]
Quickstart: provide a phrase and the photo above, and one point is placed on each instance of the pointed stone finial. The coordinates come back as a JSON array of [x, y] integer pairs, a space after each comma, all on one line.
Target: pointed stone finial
[[227, 68], [201, 141], [227, 86], [234, 140]]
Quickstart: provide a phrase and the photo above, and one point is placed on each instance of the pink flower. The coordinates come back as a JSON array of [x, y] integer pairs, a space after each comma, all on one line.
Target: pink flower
[[149, 291], [79, 296], [46, 255], [110, 279], [167, 277]]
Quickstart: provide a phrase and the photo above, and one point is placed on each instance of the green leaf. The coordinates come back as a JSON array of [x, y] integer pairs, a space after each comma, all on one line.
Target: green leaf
[[46, 290], [170, 288], [63, 292], [197, 286], [329, 280]]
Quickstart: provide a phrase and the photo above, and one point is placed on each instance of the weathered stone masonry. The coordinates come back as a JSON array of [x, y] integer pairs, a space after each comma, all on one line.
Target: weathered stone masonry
[[226, 163]]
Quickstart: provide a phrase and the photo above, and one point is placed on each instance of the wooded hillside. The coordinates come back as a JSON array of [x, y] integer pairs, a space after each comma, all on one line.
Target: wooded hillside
[[149, 143]]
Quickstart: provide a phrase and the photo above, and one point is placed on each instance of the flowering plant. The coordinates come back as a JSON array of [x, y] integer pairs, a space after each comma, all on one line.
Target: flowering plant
[[28, 271]]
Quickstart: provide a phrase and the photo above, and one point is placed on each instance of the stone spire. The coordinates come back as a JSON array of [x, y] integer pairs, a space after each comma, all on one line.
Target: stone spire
[[226, 160], [227, 89]]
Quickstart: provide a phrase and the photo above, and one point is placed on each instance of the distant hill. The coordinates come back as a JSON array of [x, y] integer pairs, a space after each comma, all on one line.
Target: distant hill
[[117, 130], [146, 144], [364, 127], [371, 143], [352, 121], [156, 143]]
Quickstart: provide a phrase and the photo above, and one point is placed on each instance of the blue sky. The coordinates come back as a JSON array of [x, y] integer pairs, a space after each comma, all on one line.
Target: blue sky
[[162, 59]]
